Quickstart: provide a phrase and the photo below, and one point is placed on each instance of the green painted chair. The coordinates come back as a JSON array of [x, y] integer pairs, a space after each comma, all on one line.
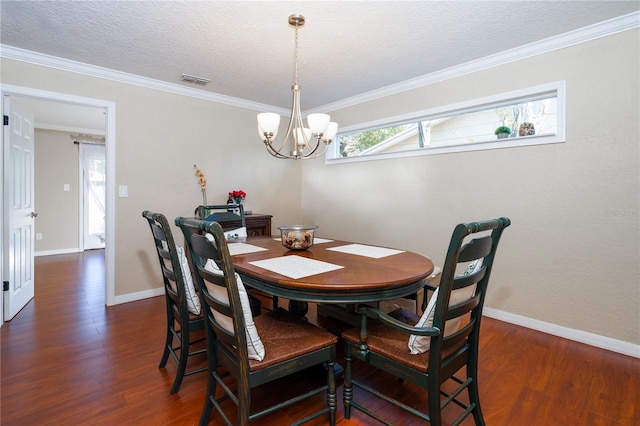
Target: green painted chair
[[220, 213], [254, 351], [438, 347], [184, 316]]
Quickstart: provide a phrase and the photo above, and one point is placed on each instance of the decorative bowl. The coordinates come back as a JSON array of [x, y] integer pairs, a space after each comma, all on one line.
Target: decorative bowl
[[297, 237]]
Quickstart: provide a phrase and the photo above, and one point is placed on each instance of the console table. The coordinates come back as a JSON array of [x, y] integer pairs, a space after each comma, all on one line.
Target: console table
[[257, 224]]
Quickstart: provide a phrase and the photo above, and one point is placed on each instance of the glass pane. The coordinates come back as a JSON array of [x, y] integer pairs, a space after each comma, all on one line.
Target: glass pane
[[530, 115], [375, 140]]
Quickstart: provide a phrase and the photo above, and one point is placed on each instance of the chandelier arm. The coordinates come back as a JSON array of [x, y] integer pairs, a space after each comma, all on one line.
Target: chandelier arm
[[275, 153], [317, 154], [294, 122], [315, 148]]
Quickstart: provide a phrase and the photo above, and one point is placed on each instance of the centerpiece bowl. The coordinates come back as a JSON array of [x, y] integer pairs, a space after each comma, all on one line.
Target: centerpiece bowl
[[297, 237]]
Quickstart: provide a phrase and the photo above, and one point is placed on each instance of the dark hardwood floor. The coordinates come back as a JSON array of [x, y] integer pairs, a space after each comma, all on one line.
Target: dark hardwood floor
[[68, 360]]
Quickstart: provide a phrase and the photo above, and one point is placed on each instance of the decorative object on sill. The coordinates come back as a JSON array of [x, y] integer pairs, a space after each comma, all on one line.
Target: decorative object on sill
[[527, 129], [236, 197], [202, 181], [502, 132], [304, 142]]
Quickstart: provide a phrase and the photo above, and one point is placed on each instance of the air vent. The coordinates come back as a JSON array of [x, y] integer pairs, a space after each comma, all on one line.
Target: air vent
[[195, 80]]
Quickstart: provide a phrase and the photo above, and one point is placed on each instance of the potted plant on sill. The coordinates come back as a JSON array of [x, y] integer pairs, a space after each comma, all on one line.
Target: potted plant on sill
[[503, 132]]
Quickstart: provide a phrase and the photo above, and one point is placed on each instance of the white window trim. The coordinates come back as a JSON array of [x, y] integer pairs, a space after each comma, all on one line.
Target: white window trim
[[559, 87]]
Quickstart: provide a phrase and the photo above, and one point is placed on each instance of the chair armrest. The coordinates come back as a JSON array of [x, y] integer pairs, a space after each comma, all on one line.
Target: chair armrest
[[369, 312]]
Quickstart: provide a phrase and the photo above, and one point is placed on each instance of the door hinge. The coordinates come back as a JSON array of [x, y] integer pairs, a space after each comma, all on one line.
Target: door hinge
[[5, 120], [5, 285]]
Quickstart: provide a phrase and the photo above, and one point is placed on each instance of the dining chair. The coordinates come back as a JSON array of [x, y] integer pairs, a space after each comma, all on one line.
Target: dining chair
[[431, 351], [255, 351], [220, 213], [184, 314], [228, 221], [421, 298]]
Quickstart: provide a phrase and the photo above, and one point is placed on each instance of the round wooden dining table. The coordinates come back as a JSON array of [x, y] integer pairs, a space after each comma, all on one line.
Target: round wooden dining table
[[356, 279]]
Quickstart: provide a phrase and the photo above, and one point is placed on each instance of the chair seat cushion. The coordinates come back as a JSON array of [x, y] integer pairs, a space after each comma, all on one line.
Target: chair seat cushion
[[286, 336], [389, 342], [193, 317], [392, 343]]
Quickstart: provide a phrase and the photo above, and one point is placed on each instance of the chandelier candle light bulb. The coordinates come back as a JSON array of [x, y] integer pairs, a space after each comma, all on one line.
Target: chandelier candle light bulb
[[304, 142]]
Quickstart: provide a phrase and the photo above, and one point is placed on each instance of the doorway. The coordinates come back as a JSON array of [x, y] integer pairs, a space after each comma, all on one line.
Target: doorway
[[109, 119], [92, 183]]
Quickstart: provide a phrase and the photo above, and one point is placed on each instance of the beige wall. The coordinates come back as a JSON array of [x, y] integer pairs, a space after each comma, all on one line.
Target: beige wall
[[571, 256], [56, 164], [566, 259], [159, 136]]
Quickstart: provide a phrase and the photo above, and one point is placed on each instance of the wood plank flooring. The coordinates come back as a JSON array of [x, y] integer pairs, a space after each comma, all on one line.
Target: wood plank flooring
[[66, 359]]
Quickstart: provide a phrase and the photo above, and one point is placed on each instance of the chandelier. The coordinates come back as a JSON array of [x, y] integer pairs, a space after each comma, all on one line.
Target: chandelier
[[300, 141]]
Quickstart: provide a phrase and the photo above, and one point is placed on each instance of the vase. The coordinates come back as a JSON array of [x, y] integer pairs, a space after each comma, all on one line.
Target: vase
[[236, 210]]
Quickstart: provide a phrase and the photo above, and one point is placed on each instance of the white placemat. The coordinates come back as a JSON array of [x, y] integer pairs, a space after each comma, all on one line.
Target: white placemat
[[317, 240], [295, 266], [243, 248], [367, 251]]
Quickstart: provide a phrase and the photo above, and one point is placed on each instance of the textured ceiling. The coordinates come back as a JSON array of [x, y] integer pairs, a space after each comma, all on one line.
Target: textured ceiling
[[347, 48]]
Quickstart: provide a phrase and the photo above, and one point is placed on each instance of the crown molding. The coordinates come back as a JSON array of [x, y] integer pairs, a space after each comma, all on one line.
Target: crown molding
[[582, 35], [572, 38], [10, 52]]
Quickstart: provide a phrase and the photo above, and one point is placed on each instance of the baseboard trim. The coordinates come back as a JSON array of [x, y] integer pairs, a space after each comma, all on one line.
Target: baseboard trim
[[54, 252], [140, 295], [592, 339]]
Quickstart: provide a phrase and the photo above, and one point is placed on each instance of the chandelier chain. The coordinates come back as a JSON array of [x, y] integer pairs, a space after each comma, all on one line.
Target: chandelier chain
[[295, 58]]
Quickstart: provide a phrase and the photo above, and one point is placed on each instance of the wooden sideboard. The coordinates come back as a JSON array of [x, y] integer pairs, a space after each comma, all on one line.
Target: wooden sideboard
[[258, 224]]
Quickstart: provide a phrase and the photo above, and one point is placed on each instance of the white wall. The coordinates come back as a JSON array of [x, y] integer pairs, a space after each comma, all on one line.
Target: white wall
[[571, 256]]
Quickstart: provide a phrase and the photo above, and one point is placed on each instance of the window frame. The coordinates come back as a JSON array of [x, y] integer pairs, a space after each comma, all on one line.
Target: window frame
[[479, 104]]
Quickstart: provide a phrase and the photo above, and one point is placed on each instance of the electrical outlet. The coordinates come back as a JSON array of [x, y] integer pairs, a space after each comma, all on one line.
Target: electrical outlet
[[38, 236], [66, 187]]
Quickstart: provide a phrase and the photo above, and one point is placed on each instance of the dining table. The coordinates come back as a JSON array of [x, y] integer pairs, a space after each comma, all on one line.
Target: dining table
[[329, 272]]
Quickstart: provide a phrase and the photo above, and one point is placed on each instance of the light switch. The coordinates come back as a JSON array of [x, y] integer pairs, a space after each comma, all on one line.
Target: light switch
[[66, 187], [123, 191]]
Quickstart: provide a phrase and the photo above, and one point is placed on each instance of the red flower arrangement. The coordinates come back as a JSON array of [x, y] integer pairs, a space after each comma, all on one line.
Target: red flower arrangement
[[238, 196]]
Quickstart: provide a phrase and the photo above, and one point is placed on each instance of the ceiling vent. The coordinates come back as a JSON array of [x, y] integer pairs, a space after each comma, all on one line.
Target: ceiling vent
[[195, 80]]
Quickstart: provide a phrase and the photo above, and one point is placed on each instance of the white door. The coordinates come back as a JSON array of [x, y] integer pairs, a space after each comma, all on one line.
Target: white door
[[19, 213]]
